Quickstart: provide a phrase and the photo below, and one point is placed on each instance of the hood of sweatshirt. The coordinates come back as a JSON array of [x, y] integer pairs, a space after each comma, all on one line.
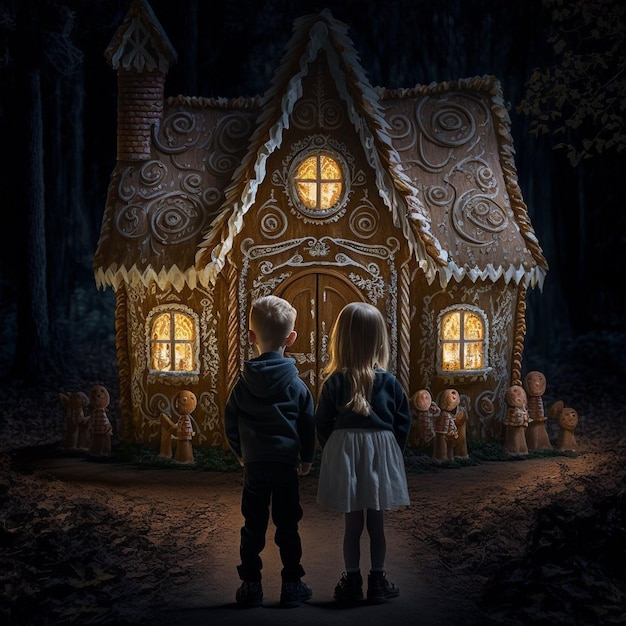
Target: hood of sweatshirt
[[268, 374]]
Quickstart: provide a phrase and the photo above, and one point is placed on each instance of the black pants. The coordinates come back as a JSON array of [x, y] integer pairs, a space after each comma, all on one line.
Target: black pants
[[278, 484]]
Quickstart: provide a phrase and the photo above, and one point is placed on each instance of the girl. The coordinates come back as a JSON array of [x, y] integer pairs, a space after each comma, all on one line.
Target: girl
[[362, 420]]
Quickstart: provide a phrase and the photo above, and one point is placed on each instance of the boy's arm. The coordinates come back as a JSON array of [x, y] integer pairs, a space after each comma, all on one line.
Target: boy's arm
[[231, 426], [304, 469]]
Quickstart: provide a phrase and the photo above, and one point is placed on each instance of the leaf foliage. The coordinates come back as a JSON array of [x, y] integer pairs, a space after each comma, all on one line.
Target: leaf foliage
[[580, 100]]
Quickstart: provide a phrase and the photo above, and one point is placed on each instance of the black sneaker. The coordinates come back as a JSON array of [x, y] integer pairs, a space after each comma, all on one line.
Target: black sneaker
[[250, 594], [349, 588], [294, 593], [379, 589]]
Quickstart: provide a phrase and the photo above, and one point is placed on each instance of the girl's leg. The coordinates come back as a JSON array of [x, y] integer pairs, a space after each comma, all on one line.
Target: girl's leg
[[378, 542], [379, 587], [354, 522]]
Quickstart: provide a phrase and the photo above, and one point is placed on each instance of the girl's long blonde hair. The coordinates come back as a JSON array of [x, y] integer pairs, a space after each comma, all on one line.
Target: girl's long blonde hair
[[358, 344]]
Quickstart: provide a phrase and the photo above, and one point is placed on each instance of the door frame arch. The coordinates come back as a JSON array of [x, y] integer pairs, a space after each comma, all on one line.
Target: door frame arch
[[325, 292], [280, 289]]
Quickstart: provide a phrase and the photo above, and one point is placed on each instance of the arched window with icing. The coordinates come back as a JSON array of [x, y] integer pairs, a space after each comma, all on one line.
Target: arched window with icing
[[173, 340], [463, 341]]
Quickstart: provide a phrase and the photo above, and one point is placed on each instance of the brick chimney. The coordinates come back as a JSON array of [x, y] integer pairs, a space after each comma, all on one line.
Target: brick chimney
[[141, 53]]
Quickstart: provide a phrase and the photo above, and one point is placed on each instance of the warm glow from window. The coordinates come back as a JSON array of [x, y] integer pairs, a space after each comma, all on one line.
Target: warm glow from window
[[172, 343], [462, 341], [319, 182]]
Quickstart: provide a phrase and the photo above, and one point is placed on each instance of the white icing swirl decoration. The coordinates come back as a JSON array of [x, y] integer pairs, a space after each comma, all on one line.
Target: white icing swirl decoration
[[476, 218], [175, 218], [364, 222], [273, 223], [446, 123]]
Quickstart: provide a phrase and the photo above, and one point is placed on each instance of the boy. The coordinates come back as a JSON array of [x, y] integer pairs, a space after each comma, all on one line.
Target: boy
[[270, 426]]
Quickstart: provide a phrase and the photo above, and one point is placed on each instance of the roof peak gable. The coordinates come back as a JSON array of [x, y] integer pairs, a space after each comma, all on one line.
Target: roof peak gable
[[312, 35]]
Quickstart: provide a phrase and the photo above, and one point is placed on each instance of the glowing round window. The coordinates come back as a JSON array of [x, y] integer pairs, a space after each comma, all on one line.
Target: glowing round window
[[319, 183]]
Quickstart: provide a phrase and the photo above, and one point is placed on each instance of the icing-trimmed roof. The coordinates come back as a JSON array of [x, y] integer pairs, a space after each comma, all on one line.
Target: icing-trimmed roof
[[454, 142], [442, 155], [158, 210]]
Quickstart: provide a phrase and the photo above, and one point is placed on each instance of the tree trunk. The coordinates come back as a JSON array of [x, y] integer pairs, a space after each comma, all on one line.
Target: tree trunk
[[32, 355], [57, 198]]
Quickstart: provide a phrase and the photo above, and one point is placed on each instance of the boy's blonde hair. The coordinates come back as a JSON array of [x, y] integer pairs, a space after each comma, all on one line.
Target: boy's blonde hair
[[358, 344], [272, 319]]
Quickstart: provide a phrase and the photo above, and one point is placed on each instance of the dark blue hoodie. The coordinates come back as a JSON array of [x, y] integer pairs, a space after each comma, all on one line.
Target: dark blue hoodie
[[270, 414]]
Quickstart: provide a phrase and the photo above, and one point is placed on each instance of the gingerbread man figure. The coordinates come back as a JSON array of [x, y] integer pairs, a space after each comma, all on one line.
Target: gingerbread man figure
[[76, 422], [184, 403], [168, 430], [425, 411], [536, 435], [446, 431], [516, 421], [451, 402], [568, 420], [101, 429]]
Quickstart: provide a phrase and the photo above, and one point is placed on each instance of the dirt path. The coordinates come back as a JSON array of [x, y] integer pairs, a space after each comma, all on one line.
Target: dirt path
[[104, 543], [461, 526]]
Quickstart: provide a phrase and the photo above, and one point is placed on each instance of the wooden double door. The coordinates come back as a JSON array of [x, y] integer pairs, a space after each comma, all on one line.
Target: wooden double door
[[318, 297]]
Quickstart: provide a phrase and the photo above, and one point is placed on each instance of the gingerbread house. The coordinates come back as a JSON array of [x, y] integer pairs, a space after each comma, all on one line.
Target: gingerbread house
[[325, 190]]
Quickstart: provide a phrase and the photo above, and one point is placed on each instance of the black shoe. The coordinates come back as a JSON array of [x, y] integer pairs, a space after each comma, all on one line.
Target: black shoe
[[250, 594], [294, 593], [379, 589], [349, 588]]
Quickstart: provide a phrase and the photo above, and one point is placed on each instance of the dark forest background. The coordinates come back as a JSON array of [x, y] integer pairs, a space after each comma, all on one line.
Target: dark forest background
[[561, 64]]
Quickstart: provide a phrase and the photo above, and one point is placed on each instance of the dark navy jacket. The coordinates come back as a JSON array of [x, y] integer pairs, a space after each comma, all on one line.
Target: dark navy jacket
[[270, 414], [389, 408]]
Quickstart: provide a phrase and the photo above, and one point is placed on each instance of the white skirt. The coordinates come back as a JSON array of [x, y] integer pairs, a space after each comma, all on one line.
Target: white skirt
[[362, 469]]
